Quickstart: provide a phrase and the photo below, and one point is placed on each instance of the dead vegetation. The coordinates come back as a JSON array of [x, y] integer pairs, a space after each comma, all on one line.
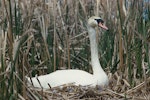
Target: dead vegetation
[[41, 36]]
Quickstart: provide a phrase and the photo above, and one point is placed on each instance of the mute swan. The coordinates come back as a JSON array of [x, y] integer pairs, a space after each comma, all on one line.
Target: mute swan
[[78, 77]]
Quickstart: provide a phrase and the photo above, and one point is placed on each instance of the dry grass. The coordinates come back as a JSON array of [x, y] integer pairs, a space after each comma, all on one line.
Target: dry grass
[[39, 37]]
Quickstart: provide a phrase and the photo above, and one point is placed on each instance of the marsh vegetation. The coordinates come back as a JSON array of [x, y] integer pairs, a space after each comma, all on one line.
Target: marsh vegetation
[[38, 37]]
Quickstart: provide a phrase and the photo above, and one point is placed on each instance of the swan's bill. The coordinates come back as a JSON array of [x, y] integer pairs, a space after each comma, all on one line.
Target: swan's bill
[[103, 26]]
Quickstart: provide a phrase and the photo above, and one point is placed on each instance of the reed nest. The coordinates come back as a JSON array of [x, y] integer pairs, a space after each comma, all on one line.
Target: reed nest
[[118, 89]]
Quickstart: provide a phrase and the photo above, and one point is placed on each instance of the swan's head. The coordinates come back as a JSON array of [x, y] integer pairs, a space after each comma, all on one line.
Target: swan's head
[[96, 21]]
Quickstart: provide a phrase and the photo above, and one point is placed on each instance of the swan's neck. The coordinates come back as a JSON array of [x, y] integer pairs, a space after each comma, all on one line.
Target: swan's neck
[[97, 69]]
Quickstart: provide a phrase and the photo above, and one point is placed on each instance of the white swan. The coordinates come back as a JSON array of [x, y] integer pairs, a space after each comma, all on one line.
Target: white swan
[[78, 77]]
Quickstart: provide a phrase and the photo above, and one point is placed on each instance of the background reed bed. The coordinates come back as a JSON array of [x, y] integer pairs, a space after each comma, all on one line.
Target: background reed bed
[[38, 37]]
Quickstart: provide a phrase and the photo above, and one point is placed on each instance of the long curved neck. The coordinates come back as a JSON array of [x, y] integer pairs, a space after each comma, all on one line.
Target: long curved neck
[[97, 69]]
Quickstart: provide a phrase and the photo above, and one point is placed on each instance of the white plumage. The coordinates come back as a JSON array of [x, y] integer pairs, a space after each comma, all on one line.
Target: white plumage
[[78, 77]]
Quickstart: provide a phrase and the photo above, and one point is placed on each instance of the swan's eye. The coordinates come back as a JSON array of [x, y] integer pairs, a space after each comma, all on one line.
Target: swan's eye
[[99, 21]]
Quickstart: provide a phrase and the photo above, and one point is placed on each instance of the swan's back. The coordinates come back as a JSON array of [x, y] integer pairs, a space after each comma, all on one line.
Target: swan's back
[[60, 77]]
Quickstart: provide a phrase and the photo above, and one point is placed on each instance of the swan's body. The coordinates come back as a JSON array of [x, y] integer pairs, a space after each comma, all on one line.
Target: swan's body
[[78, 77]]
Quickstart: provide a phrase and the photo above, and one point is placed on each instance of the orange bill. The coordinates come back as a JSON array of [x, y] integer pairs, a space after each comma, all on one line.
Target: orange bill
[[103, 26]]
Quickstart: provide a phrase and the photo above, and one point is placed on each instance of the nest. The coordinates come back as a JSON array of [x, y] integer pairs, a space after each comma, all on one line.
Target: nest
[[118, 89]]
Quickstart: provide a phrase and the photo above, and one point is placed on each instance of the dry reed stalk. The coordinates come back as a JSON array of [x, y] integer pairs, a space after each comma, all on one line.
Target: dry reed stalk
[[97, 7], [64, 28], [84, 9], [120, 35], [54, 42], [4, 42], [76, 16], [144, 72], [68, 50], [120, 49], [23, 88], [67, 36]]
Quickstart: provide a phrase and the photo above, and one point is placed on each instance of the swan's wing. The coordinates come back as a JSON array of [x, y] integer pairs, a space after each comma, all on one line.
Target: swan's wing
[[61, 77]]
